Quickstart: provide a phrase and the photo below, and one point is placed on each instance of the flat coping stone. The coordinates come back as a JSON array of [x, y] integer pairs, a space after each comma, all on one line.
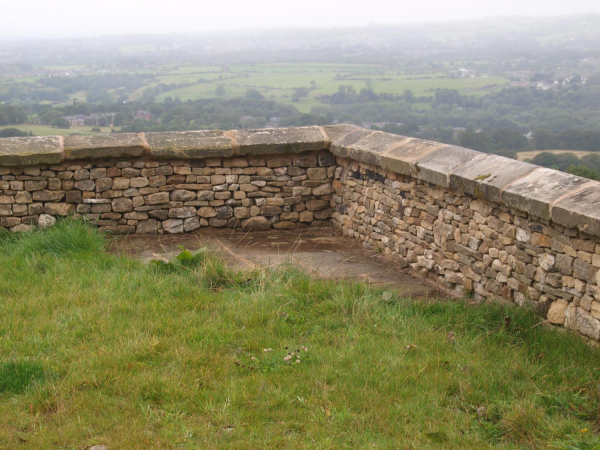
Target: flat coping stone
[[485, 177], [30, 151], [535, 192], [370, 147], [580, 210], [336, 132], [279, 140], [341, 146], [190, 144], [103, 146], [401, 158], [435, 167]]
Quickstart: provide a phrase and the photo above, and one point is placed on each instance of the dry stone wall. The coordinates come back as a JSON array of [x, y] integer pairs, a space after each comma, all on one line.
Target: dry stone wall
[[169, 182], [477, 224]]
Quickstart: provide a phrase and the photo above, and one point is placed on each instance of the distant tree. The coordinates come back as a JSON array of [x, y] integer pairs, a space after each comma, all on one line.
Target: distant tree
[[544, 140], [299, 93], [584, 171], [509, 139], [477, 141], [98, 96], [560, 161], [446, 97], [254, 94], [220, 90], [593, 80], [592, 160], [13, 132], [409, 96], [60, 122]]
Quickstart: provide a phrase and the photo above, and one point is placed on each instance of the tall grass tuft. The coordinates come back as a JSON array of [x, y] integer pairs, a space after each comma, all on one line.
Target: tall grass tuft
[[17, 376], [67, 237]]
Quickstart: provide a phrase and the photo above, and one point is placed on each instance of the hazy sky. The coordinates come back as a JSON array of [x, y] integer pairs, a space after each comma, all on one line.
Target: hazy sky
[[67, 18]]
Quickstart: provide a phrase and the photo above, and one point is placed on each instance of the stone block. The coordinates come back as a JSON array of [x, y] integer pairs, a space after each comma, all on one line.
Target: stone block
[[173, 226], [336, 132], [484, 177], [183, 212], [122, 204], [401, 158], [59, 209], [435, 167], [183, 196], [189, 144], [257, 223], [535, 192], [366, 145], [103, 146], [30, 151], [149, 226], [580, 210], [280, 140]]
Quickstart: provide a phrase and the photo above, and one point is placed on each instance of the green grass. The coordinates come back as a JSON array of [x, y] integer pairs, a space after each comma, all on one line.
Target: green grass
[[97, 348]]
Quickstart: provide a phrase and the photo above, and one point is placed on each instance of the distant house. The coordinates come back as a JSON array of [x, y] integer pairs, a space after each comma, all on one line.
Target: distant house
[[146, 115], [93, 120], [76, 121]]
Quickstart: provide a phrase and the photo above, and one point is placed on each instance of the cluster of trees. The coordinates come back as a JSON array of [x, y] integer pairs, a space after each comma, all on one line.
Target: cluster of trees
[[347, 95], [13, 132], [12, 114], [175, 115], [587, 166], [576, 107], [567, 140], [56, 89]]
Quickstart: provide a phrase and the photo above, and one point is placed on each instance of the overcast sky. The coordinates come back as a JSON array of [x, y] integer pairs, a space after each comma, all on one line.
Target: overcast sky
[[67, 18]]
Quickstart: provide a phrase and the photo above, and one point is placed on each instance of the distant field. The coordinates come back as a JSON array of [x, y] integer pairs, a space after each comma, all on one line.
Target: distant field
[[278, 81], [522, 156], [46, 130]]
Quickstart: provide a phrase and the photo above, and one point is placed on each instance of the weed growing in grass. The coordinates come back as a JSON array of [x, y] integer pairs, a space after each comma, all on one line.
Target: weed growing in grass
[[270, 361], [143, 355]]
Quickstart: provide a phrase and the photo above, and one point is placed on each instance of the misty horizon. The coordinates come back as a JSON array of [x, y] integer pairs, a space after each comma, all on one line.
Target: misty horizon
[[70, 20]]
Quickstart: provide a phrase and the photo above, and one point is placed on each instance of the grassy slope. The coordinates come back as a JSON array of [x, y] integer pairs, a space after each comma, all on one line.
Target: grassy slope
[[138, 356], [46, 130]]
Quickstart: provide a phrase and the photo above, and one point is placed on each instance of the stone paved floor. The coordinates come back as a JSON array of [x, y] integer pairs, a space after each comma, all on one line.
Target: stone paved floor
[[318, 251]]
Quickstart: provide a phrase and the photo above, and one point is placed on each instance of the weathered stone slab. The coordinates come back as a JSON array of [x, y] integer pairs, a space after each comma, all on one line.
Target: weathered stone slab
[[369, 148], [340, 146], [485, 177], [336, 132], [436, 166], [401, 158], [535, 192], [580, 210], [30, 151], [102, 146], [280, 140], [189, 144]]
